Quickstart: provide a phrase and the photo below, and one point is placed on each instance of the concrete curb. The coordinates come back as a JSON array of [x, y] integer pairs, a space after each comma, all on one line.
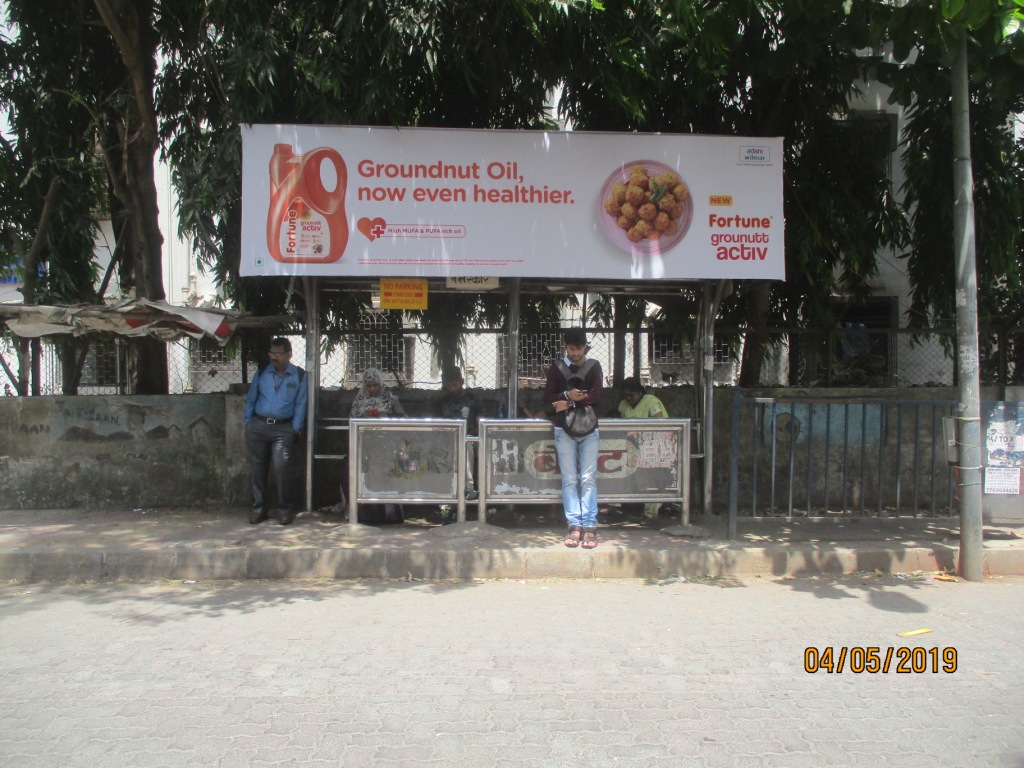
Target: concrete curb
[[137, 564]]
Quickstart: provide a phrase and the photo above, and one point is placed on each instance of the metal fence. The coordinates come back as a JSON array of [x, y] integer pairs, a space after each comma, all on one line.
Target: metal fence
[[192, 366], [841, 357], [858, 356], [818, 457]]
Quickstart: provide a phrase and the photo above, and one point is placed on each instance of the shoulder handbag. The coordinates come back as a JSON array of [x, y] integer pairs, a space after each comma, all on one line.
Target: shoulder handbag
[[580, 420]]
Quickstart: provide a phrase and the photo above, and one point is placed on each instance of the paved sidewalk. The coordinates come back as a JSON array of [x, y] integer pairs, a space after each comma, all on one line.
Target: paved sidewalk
[[217, 543], [513, 674]]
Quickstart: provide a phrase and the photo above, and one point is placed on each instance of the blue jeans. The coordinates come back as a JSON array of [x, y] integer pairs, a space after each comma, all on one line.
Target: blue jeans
[[577, 463]]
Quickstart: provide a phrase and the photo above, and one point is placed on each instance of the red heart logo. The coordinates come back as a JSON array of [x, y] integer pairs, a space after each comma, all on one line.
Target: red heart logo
[[372, 228]]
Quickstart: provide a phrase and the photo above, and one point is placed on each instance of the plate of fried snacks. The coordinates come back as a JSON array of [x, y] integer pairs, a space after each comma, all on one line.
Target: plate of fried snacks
[[645, 207]]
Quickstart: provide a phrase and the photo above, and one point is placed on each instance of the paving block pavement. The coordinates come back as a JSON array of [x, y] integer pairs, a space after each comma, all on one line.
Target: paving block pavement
[[711, 673], [94, 545]]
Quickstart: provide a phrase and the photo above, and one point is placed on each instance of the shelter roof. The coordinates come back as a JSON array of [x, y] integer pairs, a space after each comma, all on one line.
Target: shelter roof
[[133, 317], [531, 286]]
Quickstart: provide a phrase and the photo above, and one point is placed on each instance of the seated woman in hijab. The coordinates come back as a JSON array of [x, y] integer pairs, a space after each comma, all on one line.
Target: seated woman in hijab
[[374, 399]]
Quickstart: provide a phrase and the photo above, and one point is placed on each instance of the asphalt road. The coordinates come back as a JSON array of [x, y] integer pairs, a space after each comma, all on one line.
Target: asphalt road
[[539, 673]]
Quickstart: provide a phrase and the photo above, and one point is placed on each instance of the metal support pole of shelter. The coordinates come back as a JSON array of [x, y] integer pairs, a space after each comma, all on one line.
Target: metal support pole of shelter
[[704, 379], [707, 361], [513, 347], [311, 287], [734, 464]]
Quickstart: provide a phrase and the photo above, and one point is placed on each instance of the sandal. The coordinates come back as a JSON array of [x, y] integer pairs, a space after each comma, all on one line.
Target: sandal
[[589, 538], [572, 540]]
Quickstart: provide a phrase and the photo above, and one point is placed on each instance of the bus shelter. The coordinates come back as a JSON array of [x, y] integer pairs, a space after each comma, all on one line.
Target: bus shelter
[[354, 204]]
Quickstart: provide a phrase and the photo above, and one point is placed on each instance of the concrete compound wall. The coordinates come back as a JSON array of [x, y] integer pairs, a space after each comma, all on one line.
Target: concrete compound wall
[[115, 451], [189, 450], [166, 451]]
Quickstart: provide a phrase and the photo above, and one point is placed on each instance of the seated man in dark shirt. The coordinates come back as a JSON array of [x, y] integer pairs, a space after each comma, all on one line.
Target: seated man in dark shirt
[[460, 403], [457, 402]]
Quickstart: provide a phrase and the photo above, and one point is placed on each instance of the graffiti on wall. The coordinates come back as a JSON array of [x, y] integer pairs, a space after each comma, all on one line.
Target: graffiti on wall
[[113, 420]]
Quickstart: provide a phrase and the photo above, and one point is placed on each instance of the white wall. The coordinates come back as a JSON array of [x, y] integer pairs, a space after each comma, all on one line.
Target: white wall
[[923, 363]]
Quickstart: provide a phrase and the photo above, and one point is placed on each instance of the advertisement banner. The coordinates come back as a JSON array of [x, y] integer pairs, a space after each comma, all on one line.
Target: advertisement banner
[[636, 459], [420, 202], [1004, 434]]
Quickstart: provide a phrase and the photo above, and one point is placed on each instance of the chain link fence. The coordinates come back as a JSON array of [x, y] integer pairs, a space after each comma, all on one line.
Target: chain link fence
[[843, 357]]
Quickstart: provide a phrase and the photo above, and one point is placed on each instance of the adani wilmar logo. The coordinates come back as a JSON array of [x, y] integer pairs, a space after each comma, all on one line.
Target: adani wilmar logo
[[731, 245], [759, 154], [306, 221]]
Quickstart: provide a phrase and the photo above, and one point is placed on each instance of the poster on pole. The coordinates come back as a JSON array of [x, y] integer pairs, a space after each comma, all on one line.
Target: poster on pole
[[1004, 447], [1004, 480], [421, 202], [1004, 434]]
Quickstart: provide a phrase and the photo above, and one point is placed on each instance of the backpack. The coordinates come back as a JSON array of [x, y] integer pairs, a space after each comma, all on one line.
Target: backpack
[[581, 420]]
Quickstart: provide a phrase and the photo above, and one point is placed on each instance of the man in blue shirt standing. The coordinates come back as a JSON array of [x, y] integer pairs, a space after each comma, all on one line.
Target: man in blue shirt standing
[[275, 413]]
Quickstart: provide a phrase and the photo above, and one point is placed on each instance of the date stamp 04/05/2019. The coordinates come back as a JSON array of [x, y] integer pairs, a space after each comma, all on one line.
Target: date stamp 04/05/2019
[[869, 659]]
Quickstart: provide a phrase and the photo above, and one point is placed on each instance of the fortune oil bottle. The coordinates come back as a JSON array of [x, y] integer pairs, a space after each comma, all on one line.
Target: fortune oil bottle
[[306, 222]]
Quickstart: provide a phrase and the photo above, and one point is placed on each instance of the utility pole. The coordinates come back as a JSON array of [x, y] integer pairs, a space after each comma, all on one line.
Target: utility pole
[[969, 407]]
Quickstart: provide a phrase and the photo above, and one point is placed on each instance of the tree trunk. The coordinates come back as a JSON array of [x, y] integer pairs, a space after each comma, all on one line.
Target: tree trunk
[[442, 321], [130, 23], [147, 367], [1017, 355], [148, 256], [30, 350], [36, 347], [754, 345], [72, 353], [24, 366]]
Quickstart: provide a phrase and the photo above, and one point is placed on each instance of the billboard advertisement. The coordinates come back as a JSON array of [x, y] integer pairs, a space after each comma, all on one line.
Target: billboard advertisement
[[420, 202]]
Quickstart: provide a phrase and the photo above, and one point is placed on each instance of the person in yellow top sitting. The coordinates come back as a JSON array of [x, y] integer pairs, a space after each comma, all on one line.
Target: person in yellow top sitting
[[637, 404]]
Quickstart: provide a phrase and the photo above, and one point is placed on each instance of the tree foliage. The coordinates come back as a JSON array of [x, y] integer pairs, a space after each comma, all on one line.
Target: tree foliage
[[79, 98], [746, 67], [48, 155], [742, 67], [428, 63], [996, 94]]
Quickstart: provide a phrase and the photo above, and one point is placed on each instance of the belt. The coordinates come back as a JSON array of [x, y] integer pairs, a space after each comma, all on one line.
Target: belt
[[271, 421]]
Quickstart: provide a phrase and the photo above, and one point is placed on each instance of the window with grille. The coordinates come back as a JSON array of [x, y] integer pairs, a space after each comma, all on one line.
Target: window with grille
[[387, 350], [536, 352], [872, 137], [102, 364], [863, 349], [723, 351], [208, 352], [669, 349]]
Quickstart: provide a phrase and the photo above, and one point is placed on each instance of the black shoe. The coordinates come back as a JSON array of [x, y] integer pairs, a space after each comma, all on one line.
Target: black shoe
[[472, 495], [286, 519], [255, 518]]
